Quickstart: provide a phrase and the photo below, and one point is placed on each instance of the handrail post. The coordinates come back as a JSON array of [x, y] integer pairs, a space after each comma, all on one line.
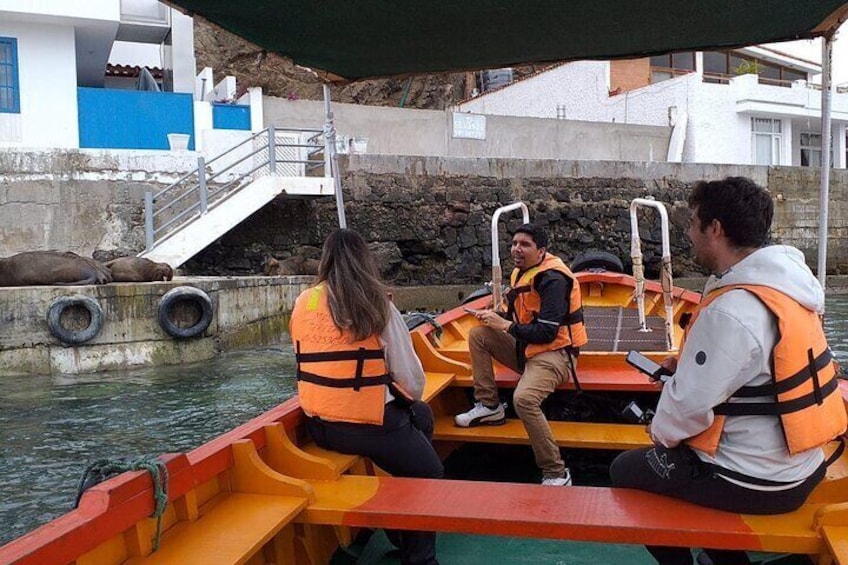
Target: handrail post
[[148, 219], [272, 150], [666, 279], [201, 184], [497, 274], [826, 148]]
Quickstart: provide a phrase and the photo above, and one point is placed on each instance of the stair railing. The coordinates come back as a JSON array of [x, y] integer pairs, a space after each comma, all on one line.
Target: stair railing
[[213, 181]]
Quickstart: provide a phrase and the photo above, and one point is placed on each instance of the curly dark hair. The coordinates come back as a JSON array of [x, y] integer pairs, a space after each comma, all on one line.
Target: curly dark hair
[[536, 232], [744, 209]]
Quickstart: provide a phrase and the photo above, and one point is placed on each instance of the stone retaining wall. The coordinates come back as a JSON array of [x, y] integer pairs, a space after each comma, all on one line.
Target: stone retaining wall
[[428, 219]]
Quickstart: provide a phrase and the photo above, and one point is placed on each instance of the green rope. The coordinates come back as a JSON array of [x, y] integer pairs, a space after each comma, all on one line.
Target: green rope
[[103, 469]]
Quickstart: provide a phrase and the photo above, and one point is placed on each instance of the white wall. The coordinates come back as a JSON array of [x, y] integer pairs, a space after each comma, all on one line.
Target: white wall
[[719, 125], [48, 87], [60, 11], [576, 85]]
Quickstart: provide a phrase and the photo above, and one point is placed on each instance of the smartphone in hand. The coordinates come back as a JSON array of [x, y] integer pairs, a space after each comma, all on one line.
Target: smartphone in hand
[[648, 366]]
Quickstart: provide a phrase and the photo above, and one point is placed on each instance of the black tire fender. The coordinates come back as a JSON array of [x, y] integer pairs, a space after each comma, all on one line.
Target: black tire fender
[[74, 337], [597, 260], [185, 294]]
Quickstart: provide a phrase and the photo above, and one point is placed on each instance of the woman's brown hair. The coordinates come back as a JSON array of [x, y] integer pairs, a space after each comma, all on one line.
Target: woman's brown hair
[[357, 297]]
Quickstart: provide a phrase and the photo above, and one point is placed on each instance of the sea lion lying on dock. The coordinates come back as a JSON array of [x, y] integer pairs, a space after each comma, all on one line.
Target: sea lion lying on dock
[[296, 265], [51, 268], [138, 269]]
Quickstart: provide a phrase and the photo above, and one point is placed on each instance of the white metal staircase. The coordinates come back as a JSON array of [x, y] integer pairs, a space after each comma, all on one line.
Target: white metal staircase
[[184, 218]]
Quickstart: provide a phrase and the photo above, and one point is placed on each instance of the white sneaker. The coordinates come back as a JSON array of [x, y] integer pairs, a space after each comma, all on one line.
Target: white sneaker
[[558, 481], [480, 415]]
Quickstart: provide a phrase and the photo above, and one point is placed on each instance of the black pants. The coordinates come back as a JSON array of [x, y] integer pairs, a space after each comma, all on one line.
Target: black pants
[[680, 473], [401, 446]]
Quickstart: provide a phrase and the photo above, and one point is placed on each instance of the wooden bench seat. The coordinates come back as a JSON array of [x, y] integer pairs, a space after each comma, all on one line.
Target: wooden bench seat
[[229, 533], [341, 462], [593, 514], [836, 538], [567, 434]]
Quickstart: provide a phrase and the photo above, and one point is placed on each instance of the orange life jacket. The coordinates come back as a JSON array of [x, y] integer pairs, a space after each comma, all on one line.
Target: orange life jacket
[[804, 384], [338, 379], [524, 302]]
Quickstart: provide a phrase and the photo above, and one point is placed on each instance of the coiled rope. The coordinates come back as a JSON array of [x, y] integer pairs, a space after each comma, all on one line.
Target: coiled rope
[[103, 469]]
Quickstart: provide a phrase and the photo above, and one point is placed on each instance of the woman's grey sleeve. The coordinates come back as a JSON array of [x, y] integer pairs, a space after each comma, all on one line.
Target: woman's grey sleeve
[[400, 355]]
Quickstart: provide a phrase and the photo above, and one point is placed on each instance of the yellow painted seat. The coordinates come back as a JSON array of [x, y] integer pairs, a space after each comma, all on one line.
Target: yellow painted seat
[[567, 434], [229, 533]]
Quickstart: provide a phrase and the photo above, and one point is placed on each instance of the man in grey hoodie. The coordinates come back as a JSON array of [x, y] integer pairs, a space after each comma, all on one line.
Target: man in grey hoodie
[[750, 466]]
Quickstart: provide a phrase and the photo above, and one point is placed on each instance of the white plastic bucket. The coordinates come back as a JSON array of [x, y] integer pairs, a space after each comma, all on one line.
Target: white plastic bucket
[[178, 141]]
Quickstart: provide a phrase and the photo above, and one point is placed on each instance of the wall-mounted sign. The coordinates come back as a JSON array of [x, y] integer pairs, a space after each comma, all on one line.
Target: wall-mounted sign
[[469, 126]]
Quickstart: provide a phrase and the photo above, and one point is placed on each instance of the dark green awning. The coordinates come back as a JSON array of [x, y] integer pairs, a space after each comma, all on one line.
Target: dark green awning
[[354, 39]]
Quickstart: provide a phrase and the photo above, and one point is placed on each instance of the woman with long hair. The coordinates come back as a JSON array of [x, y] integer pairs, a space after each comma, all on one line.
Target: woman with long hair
[[359, 380]]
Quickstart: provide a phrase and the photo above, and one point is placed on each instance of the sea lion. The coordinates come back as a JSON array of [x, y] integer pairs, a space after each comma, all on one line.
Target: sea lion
[[296, 265], [51, 268], [138, 269]]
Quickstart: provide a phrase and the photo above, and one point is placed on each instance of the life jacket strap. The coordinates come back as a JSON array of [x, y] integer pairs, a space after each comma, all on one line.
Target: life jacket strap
[[725, 472], [773, 389], [351, 382], [575, 317], [778, 408], [354, 355]]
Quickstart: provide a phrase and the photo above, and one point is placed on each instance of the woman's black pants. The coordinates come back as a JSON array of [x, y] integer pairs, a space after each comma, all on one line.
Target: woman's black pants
[[401, 447]]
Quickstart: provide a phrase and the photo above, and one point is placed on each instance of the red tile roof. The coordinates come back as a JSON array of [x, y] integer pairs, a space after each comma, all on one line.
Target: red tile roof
[[130, 71]]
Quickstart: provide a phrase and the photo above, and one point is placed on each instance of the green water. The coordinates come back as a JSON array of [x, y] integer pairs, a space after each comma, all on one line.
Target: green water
[[52, 426]]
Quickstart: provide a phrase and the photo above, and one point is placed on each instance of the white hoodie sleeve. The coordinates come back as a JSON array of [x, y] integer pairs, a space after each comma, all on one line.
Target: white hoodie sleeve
[[400, 355], [727, 348]]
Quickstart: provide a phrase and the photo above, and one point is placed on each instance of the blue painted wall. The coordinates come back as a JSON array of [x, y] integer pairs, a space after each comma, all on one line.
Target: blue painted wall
[[132, 119], [230, 116]]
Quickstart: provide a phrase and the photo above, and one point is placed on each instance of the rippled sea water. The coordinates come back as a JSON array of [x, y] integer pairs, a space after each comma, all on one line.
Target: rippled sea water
[[51, 427]]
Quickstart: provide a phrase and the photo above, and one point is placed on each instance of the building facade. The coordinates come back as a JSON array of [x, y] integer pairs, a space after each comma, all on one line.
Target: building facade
[[756, 106]]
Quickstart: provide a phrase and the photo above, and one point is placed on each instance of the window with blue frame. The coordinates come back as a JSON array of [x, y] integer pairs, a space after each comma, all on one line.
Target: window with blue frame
[[10, 99]]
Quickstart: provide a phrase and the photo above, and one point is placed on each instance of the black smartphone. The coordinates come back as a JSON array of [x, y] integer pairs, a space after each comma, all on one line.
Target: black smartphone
[[648, 366]]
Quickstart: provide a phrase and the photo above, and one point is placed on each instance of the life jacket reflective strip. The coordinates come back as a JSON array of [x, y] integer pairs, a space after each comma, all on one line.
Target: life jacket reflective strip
[[338, 379], [804, 387], [524, 303]]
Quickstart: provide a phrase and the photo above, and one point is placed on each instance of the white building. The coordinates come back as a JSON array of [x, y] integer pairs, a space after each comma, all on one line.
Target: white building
[[719, 114], [51, 51]]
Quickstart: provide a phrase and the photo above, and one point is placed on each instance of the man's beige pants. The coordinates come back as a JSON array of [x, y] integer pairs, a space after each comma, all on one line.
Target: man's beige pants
[[543, 373]]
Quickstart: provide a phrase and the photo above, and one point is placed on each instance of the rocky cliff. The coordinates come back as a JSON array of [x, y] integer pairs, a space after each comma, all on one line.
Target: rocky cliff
[[229, 54]]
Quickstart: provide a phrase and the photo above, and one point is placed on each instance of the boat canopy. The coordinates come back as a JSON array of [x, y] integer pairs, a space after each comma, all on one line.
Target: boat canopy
[[348, 40]]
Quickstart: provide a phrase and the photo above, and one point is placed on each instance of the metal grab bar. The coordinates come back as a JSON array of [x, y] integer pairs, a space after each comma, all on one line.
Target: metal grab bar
[[497, 274], [666, 278]]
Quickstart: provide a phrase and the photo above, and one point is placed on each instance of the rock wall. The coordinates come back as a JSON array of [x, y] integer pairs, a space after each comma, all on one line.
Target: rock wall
[[428, 219]]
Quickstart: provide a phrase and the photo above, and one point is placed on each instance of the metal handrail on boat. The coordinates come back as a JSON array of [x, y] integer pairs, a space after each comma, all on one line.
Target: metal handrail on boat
[[497, 273], [666, 278]]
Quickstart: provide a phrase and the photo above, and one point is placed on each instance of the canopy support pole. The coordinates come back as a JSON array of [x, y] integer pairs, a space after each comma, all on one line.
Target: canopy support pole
[[827, 53], [330, 148]]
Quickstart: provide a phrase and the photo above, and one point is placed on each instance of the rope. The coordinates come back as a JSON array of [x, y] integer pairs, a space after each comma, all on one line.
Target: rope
[[103, 469], [431, 319]]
